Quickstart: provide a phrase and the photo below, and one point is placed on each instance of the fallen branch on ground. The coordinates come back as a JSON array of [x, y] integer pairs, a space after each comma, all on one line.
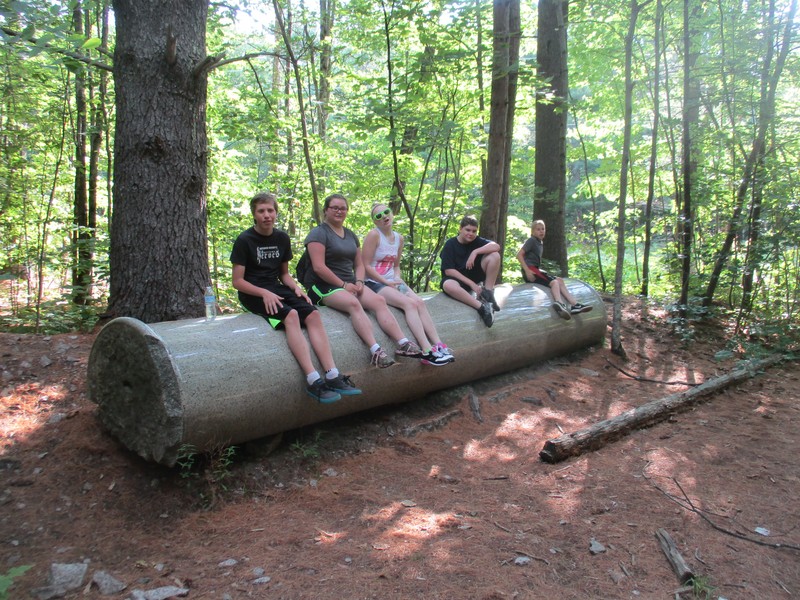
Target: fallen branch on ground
[[686, 503], [670, 550], [599, 434]]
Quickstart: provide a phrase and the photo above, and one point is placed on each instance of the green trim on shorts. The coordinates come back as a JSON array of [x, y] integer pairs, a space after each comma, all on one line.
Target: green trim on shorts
[[275, 323], [323, 296]]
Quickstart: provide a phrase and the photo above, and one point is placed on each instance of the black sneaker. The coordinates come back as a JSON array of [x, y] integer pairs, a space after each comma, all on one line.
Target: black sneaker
[[579, 308], [485, 311], [435, 359], [562, 311], [488, 295], [322, 393], [342, 384], [445, 351]]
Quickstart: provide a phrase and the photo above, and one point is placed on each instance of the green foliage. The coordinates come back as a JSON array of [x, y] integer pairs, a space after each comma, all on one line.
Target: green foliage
[[7, 579], [207, 472], [701, 587], [430, 114], [307, 449]]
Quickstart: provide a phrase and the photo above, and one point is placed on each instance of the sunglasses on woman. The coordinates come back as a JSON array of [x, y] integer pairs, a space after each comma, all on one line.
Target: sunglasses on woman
[[380, 215]]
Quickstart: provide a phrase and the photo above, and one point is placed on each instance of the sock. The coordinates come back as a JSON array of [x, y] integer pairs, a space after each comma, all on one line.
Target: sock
[[375, 348], [332, 374], [402, 342], [312, 377]]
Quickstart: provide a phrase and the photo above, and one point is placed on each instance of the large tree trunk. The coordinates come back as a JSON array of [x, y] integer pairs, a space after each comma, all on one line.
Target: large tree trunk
[[551, 129], [501, 119], [159, 257]]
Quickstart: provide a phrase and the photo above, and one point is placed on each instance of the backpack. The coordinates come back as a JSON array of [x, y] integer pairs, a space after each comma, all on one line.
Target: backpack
[[302, 267]]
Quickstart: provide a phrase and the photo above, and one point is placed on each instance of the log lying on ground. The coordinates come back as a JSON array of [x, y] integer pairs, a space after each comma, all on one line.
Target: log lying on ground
[[599, 434], [676, 561], [163, 386]]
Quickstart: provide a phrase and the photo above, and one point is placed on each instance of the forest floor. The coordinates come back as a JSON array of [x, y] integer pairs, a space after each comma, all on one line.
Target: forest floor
[[424, 499]]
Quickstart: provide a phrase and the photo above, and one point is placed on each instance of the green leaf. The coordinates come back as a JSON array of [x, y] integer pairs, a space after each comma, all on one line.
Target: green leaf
[[92, 43]]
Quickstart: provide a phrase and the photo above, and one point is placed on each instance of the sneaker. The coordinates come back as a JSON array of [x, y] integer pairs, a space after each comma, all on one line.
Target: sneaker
[[445, 351], [579, 308], [488, 295], [381, 359], [435, 359], [562, 311], [485, 311], [322, 393], [409, 350], [342, 384]]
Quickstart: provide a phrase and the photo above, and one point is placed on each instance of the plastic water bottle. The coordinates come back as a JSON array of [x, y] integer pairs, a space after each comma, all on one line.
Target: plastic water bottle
[[211, 304], [402, 288]]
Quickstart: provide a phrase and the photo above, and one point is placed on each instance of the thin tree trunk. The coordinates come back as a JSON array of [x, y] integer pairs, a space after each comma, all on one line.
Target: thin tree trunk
[[766, 112], [691, 116], [301, 108], [81, 255], [616, 322], [651, 176], [595, 228]]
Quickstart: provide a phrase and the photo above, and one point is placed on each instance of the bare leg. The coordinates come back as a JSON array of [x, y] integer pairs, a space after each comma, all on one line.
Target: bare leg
[[377, 304], [560, 288], [410, 306], [297, 342], [427, 321], [319, 340], [491, 266], [347, 303], [452, 288]]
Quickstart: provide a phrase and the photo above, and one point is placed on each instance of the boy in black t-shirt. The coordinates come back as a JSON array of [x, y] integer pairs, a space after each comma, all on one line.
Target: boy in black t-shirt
[[471, 264], [260, 258]]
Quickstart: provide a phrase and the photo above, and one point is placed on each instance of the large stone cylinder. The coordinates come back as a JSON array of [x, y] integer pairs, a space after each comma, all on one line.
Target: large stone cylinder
[[209, 384]]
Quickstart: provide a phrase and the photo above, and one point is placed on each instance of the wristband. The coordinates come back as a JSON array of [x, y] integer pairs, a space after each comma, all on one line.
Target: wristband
[[361, 281]]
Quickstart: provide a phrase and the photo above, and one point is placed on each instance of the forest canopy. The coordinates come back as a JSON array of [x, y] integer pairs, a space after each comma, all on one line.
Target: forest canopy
[[682, 143]]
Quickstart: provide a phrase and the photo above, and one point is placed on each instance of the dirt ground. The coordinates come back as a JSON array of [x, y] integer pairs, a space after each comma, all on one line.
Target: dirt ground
[[430, 499]]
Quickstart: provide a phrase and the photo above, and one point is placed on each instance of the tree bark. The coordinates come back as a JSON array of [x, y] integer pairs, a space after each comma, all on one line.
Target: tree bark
[[691, 118], [598, 435], [159, 257], [676, 561], [81, 233], [651, 175], [550, 178], [498, 122]]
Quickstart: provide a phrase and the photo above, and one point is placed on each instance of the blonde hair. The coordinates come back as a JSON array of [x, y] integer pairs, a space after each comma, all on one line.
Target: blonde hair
[[376, 205]]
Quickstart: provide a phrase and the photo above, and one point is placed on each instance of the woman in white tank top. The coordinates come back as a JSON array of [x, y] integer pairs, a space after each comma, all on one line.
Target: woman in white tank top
[[381, 251]]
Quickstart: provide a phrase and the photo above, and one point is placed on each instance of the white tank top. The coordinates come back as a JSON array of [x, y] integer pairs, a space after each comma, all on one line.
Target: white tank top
[[385, 256]]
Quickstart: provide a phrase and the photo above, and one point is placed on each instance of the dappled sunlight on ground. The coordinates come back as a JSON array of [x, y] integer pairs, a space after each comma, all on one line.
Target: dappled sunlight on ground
[[488, 452], [463, 509]]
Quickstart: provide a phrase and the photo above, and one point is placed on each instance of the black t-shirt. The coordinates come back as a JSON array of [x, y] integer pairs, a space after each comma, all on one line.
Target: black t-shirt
[[454, 255], [262, 256]]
